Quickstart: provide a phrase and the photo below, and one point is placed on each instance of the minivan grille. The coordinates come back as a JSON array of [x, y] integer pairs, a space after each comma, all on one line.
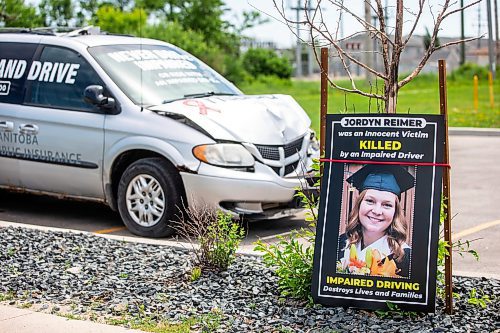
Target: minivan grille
[[291, 167], [294, 147], [272, 153], [269, 152]]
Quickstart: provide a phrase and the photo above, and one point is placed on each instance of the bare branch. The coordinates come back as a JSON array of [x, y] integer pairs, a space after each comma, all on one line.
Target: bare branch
[[384, 41], [355, 91], [338, 21], [342, 53], [419, 68], [466, 40], [370, 28], [461, 8], [432, 48], [417, 18]]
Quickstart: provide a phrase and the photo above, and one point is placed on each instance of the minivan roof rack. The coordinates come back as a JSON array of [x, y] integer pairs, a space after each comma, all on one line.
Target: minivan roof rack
[[35, 31], [89, 30], [60, 31]]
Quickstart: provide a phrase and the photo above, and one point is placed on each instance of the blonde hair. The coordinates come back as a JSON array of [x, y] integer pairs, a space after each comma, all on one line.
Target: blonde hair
[[396, 232]]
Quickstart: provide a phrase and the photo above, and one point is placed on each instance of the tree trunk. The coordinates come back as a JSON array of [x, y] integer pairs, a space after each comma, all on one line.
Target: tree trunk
[[391, 85], [391, 92]]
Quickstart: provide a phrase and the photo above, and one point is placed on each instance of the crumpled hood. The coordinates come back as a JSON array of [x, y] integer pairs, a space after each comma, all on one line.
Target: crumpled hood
[[259, 119]]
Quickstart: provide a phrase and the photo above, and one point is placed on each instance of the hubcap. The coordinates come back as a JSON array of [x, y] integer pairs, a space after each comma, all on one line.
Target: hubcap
[[145, 200]]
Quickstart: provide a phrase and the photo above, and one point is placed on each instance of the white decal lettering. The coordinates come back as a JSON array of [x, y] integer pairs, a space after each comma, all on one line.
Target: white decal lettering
[[61, 72], [36, 66], [73, 72], [21, 68], [45, 72], [12, 69], [53, 72]]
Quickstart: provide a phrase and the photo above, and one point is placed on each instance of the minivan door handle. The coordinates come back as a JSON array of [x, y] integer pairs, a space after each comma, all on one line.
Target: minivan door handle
[[28, 129], [6, 126]]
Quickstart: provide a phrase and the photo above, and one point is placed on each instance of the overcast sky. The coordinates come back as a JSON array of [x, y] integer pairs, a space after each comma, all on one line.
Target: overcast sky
[[279, 33]]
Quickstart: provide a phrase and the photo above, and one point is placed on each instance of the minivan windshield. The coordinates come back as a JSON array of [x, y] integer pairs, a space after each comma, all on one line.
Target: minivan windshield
[[158, 74]]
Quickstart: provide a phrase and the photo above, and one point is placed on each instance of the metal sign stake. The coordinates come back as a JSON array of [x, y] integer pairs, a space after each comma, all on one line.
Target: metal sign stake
[[446, 190]]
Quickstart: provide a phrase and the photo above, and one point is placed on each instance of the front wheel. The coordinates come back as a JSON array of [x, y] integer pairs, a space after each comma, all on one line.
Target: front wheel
[[149, 197]]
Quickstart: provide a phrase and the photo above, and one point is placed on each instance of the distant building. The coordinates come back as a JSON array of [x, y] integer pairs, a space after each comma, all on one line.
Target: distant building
[[476, 52], [410, 57], [250, 43]]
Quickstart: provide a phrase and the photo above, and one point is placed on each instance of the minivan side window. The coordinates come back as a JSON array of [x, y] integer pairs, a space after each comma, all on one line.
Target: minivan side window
[[59, 78], [15, 59]]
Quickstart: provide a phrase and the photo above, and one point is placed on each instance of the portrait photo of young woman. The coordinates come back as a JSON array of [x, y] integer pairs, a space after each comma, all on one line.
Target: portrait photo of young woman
[[375, 236]]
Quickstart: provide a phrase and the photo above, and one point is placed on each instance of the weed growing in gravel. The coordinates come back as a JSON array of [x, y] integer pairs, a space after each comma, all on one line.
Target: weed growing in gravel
[[8, 296], [477, 300], [69, 316], [206, 323], [221, 241], [286, 330], [162, 297], [218, 237], [195, 273], [26, 305], [292, 260], [394, 310]]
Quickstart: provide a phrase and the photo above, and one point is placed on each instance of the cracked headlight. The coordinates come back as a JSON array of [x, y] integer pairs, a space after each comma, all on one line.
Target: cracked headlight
[[224, 155]]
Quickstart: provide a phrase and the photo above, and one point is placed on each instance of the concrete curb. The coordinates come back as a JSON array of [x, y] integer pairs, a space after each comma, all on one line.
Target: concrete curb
[[474, 131]]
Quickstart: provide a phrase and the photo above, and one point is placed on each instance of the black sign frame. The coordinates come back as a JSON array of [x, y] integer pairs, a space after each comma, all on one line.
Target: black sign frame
[[408, 140]]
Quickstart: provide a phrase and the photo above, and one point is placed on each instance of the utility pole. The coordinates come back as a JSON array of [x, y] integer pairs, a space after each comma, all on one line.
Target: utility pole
[[491, 48], [368, 46], [310, 48], [298, 48], [479, 26], [462, 34], [497, 49]]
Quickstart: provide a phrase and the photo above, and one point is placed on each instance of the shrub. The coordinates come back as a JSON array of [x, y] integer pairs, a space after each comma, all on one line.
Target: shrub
[[292, 260], [260, 61], [215, 237], [293, 263], [467, 72]]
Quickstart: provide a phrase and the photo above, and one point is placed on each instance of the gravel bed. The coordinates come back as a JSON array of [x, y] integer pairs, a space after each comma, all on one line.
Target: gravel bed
[[93, 277]]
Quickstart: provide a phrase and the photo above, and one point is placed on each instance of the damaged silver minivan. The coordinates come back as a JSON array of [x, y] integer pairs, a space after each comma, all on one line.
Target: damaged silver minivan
[[144, 127]]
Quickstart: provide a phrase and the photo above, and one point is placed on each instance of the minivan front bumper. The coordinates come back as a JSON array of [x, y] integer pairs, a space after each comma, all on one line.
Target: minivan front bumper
[[261, 193]]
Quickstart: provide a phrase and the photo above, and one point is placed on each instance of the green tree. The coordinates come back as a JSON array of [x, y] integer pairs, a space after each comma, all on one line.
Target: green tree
[[187, 39], [117, 21], [167, 9], [56, 12], [266, 62], [16, 13], [87, 11]]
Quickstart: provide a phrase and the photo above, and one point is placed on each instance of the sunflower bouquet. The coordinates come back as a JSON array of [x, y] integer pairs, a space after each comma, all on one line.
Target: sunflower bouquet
[[374, 264]]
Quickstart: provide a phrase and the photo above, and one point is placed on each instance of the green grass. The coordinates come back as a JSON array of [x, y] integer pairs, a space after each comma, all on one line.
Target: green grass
[[420, 96], [209, 322], [10, 295]]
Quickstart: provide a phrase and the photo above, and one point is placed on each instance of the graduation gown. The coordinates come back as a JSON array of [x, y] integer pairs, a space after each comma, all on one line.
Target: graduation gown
[[383, 247]]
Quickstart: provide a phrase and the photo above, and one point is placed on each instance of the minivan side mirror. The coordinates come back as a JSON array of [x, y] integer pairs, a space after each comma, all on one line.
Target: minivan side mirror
[[94, 95]]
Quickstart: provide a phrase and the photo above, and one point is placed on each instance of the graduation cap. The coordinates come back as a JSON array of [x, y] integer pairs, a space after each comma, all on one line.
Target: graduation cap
[[390, 178]]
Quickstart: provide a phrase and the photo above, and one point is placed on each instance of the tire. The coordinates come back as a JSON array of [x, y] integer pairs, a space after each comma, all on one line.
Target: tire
[[156, 181]]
